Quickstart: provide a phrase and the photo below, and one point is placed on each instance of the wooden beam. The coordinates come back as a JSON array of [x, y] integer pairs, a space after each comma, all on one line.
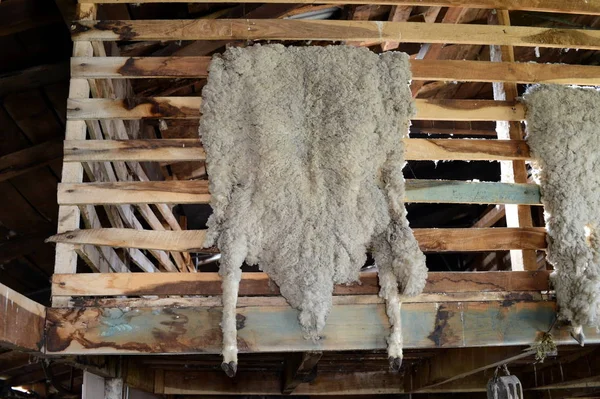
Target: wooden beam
[[30, 78], [21, 15], [196, 192], [515, 171], [299, 368], [258, 284], [21, 321], [17, 163], [432, 51], [433, 240], [189, 108], [179, 150], [397, 14], [268, 328], [574, 371], [454, 364], [445, 70], [491, 217], [559, 6], [333, 30]]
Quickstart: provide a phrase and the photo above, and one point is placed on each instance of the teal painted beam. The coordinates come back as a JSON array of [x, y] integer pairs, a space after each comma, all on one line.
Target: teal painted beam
[[463, 192], [80, 331]]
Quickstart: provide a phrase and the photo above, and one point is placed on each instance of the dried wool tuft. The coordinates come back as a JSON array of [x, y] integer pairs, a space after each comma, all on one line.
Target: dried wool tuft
[[305, 156], [563, 132]]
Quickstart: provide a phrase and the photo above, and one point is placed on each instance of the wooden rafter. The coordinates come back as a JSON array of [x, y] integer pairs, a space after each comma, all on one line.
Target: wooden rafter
[[21, 321], [189, 108], [438, 240], [258, 284], [573, 6], [289, 29], [429, 69], [178, 150]]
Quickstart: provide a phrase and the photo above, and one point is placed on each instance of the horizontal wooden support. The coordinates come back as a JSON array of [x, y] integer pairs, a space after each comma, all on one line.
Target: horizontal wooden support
[[259, 284], [179, 150], [276, 329], [189, 108], [196, 192], [267, 383], [21, 321], [23, 161], [432, 240], [333, 30], [451, 70], [559, 6]]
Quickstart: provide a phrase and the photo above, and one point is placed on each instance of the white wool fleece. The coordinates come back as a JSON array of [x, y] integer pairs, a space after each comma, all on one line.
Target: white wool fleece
[[563, 132], [305, 155]]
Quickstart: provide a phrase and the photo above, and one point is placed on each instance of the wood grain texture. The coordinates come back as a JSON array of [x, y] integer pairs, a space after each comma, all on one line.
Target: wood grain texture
[[189, 108], [333, 30], [452, 70], [178, 150], [568, 7], [196, 192], [150, 192], [259, 284], [432, 240], [158, 150], [21, 321], [275, 328]]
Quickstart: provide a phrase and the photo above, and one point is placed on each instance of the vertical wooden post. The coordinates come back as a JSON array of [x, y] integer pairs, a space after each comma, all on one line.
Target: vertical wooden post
[[69, 217], [515, 171]]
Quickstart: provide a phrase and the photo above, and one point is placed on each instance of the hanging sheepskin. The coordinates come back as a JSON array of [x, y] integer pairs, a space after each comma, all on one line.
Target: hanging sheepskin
[[305, 156], [563, 132]]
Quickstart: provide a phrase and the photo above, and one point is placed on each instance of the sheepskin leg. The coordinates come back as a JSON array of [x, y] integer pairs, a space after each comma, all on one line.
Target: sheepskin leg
[[389, 291], [230, 285]]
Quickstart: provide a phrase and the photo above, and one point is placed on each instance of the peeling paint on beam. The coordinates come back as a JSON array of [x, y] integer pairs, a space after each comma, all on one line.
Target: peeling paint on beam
[[78, 331]]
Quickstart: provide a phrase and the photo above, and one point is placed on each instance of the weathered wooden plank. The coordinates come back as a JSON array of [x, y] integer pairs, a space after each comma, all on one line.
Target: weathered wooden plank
[[196, 192], [189, 108], [334, 30], [178, 150], [160, 150], [152, 192], [336, 384], [434, 240], [275, 328], [21, 321], [244, 301], [561, 6], [258, 284], [452, 70], [299, 368]]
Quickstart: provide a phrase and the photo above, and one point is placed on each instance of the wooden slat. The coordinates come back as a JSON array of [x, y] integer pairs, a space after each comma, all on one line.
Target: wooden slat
[[21, 321], [560, 6], [189, 108], [161, 150], [179, 150], [433, 240], [243, 301], [274, 328], [452, 70], [196, 192], [334, 30], [258, 284]]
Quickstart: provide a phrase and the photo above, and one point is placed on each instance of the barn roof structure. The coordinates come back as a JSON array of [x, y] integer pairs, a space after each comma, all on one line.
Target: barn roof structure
[[99, 111]]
